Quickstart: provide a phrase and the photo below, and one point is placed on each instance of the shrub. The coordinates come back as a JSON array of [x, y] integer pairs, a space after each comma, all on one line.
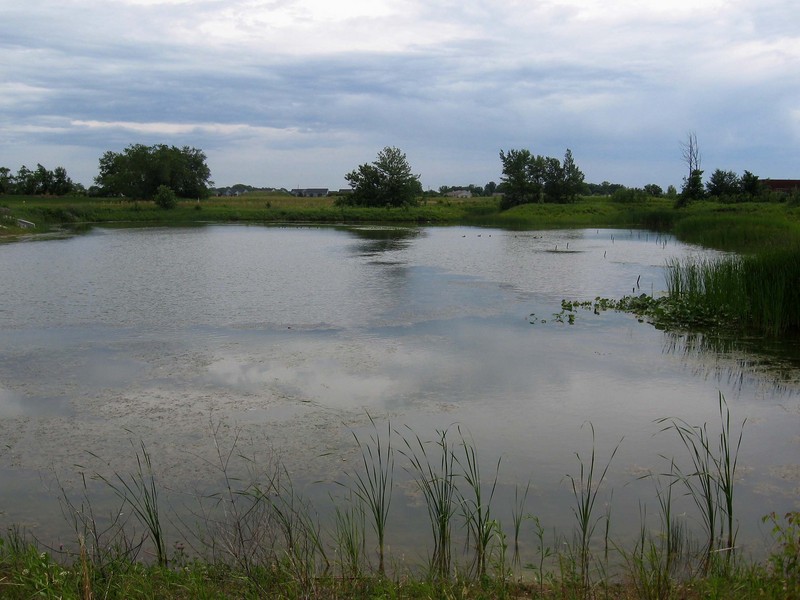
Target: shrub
[[165, 197]]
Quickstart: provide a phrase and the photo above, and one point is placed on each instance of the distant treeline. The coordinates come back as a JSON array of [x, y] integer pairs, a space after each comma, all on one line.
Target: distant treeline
[[138, 171], [41, 181]]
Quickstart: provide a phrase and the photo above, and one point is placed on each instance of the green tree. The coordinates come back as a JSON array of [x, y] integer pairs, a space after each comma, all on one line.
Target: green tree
[[139, 170], [723, 183], [43, 180], [522, 179], [654, 190], [6, 181], [528, 178], [692, 189], [751, 185], [574, 184], [24, 181], [388, 181], [61, 183], [553, 180], [165, 197]]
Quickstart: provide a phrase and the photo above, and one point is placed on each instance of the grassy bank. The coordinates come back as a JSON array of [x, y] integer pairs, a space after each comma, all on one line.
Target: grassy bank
[[742, 227], [260, 537]]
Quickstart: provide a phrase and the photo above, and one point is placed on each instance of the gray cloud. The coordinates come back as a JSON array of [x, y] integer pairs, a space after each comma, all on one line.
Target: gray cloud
[[283, 93]]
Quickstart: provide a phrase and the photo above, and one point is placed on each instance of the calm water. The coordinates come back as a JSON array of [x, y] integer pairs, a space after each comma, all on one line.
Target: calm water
[[288, 337]]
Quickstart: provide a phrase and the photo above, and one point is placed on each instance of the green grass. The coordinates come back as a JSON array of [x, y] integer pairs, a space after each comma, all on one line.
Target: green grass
[[745, 227]]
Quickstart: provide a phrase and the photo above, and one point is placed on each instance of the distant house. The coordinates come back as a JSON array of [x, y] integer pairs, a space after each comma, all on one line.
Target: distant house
[[459, 194], [787, 186], [310, 192]]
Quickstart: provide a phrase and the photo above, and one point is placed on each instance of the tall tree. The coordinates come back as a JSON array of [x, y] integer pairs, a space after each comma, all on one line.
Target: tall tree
[[387, 181], [24, 181], [528, 178], [723, 183], [6, 181], [139, 170], [573, 178], [751, 185], [522, 178]]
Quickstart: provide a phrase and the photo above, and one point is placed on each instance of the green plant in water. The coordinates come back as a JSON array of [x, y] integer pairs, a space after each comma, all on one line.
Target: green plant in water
[[476, 508], [438, 489], [373, 487], [710, 481], [140, 491], [303, 548], [654, 560], [349, 535], [239, 523], [517, 517], [585, 490], [103, 543], [544, 551]]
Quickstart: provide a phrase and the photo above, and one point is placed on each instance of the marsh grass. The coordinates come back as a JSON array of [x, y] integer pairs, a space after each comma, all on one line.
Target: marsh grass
[[102, 540], [585, 490], [709, 482], [654, 564], [476, 507], [743, 228], [259, 537], [518, 516], [758, 293], [140, 491], [373, 485], [238, 526], [350, 538], [437, 484]]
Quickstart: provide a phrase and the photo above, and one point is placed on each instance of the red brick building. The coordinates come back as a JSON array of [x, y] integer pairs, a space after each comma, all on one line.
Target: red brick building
[[786, 186]]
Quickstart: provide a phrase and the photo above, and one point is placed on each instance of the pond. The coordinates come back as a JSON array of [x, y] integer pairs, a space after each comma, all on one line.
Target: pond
[[288, 340]]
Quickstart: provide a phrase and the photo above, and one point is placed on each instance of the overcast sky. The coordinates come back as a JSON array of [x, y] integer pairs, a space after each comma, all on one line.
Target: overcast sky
[[295, 93]]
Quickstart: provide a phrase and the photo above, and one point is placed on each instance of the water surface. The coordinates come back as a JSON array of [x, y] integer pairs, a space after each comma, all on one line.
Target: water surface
[[292, 336]]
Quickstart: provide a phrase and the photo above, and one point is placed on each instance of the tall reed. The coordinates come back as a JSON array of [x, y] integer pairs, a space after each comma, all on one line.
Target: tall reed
[[585, 490], [438, 488], [758, 292], [477, 508], [654, 560], [710, 480], [140, 491], [239, 526], [373, 487], [349, 536]]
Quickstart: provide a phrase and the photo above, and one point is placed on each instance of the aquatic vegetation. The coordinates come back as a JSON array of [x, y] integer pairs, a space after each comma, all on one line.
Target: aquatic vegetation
[[373, 486], [585, 490], [268, 540], [758, 293], [785, 558], [710, 481]]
